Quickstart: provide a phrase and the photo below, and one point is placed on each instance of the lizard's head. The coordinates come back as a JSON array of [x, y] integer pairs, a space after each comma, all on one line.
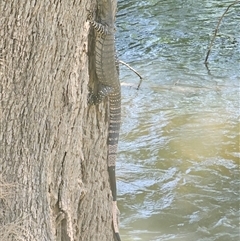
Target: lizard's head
[[108, 10]]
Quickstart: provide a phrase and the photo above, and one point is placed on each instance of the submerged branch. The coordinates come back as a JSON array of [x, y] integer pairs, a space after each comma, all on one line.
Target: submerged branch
[[216, 30]]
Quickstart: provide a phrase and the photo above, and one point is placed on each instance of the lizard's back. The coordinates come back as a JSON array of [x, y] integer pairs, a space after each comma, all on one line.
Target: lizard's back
[[105, 61]]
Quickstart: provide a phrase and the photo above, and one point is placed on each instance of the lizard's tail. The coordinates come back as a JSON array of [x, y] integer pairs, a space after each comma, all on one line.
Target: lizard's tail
[[115, 212]]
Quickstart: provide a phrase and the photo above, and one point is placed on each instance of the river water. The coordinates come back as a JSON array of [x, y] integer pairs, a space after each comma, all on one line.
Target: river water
[[178, 162]]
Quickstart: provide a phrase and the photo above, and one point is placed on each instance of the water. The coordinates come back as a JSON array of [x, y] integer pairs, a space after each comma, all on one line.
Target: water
[[178, 162]]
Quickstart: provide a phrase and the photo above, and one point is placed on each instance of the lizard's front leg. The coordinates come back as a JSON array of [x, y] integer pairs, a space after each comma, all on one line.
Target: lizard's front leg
[[100, 28]]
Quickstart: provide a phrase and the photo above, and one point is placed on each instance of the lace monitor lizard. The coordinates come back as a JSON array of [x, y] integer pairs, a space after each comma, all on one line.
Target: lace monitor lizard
[[107, 71]]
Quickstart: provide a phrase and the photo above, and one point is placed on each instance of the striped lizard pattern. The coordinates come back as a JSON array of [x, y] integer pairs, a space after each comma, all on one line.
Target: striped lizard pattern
[[108, 76]]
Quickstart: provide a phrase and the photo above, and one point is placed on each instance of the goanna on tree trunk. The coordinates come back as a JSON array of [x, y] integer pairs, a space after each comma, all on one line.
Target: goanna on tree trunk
[[53, 168]]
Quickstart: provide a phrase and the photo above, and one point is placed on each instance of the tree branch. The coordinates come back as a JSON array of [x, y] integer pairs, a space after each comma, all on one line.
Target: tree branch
[[141, 78]]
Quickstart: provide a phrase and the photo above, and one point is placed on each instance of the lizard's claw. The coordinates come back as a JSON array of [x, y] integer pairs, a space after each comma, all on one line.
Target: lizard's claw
[[91, 99], [89, 15]]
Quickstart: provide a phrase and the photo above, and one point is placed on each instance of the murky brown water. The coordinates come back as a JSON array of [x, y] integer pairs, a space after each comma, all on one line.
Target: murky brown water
[[178, 162]]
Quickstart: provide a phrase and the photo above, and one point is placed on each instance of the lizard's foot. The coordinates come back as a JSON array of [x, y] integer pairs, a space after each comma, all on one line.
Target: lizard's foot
[[99, 97], [90, 15], [91, 98]]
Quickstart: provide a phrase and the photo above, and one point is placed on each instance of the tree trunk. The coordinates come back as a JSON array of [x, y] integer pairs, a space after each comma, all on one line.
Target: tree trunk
[[52, 144]]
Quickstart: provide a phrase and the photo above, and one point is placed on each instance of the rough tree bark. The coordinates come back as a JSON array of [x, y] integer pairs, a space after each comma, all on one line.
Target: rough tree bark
[[52, 144]]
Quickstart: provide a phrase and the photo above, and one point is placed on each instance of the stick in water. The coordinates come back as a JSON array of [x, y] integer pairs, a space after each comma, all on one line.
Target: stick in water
[[141, 78], [216, 30]]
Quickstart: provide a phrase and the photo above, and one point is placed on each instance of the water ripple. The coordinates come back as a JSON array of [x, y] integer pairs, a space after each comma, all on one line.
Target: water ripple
[[178, 162]]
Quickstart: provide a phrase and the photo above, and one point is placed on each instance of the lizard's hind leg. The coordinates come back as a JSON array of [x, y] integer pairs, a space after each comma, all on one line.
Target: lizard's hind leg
[[102, 93]]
